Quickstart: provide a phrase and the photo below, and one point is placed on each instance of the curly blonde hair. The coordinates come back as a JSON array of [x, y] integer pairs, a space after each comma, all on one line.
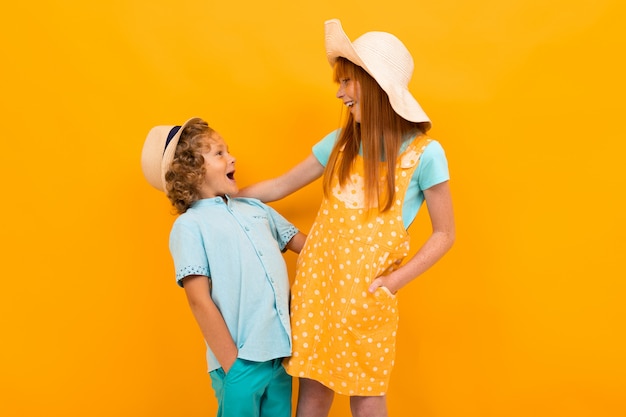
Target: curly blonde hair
[[186, 173]]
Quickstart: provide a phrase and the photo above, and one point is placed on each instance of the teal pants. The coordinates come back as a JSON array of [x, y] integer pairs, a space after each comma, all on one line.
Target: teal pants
[[253, 389]]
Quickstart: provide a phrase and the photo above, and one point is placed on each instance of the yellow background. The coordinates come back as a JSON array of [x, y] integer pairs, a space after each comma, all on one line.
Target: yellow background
[[524, 317]]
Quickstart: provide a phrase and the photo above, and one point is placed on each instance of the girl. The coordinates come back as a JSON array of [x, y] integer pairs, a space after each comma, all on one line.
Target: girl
[[378, 169]]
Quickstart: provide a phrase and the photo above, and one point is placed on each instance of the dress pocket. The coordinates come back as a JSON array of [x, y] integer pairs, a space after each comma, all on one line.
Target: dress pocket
[[384, 290]]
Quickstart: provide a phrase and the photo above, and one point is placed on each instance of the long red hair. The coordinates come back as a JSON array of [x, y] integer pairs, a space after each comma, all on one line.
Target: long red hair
[[379, 134]]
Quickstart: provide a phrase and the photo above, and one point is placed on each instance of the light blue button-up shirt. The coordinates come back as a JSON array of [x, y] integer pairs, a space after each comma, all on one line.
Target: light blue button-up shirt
[[239, 244]]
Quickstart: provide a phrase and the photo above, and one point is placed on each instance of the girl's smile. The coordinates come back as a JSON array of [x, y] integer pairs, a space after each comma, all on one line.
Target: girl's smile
[[349, 92]]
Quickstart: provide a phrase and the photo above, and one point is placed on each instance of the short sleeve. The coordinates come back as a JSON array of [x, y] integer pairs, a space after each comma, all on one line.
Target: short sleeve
[[432, 170], [282, 229], [433, 167], [324, 147], [187, 250]]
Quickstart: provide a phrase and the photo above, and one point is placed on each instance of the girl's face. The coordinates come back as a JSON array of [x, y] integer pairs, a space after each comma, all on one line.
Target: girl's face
[[350, 93], [219, 178]]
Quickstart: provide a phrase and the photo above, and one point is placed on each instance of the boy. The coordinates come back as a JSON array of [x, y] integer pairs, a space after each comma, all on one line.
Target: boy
[[227, 256]]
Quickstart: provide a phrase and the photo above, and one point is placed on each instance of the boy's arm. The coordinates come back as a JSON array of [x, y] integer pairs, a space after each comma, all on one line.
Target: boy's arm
[[210, 320], [297, 242]]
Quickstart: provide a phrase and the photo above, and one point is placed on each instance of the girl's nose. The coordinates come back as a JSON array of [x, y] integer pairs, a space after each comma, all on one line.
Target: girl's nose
[[339, 92]]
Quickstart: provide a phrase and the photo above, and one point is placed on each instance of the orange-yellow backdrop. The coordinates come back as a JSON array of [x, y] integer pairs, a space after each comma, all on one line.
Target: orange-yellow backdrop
[[524, 317]]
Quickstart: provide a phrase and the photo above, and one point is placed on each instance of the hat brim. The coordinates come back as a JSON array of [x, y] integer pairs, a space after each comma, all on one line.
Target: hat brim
[[156, 158], [339, 45]]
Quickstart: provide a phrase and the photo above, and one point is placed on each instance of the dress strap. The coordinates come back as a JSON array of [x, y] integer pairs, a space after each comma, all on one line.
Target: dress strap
[[412, 154]]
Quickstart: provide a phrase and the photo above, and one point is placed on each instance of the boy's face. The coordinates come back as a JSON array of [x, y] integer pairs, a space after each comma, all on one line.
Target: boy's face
[[220, 169]]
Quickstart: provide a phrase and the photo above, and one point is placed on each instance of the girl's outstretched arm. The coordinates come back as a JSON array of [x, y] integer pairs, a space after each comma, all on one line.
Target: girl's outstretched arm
[[439, 202], [274, 189]]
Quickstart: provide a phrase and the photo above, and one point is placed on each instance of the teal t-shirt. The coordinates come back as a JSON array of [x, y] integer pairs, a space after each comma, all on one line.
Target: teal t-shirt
[[432, 170]]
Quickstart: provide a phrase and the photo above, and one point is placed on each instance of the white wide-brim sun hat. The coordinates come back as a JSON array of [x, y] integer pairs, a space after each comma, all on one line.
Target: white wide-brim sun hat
[[385, 58], [158, 152]]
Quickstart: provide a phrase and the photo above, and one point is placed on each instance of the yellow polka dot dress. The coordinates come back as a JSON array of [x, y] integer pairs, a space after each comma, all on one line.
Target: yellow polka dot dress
[[344, 336]]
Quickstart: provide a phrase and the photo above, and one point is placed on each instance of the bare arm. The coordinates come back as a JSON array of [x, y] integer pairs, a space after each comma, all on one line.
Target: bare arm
[[274, 189], [297, 242], [210, 320], [439, 202]]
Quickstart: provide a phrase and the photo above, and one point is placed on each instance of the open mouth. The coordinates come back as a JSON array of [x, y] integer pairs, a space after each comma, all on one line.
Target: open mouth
[[231, 175]]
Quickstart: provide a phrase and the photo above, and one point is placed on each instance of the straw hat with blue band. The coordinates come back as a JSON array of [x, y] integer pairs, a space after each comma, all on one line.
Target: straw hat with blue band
[[158, 152]]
